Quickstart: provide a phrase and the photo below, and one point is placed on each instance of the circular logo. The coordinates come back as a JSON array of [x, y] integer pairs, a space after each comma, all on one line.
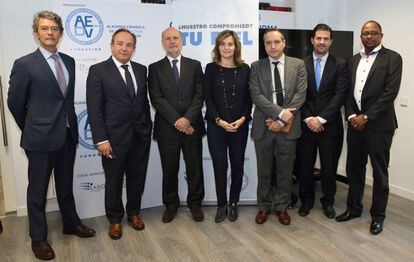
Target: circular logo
[[84, 130], [84, 26]]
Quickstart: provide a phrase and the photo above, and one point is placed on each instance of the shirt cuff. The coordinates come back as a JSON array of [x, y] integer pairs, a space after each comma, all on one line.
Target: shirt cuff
[[99, 143], [306, 120], [322, 120], [351, 116]]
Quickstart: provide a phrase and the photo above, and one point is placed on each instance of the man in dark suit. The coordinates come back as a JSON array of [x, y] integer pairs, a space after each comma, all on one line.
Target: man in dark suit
[[322, 126], [175, 87], [278, 89], [375, 75], [119, 115], [41, 101]]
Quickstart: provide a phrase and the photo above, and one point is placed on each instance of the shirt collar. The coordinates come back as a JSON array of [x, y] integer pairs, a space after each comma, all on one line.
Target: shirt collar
[[171, 58], [46, 53], [323, 58], [119, 64], [281, 59], [373, 52]]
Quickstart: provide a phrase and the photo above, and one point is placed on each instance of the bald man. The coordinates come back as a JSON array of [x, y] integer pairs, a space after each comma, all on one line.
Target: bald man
[[176, 93]]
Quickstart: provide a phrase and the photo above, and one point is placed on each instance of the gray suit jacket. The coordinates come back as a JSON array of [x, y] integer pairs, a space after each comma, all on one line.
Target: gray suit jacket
[[260, 84]]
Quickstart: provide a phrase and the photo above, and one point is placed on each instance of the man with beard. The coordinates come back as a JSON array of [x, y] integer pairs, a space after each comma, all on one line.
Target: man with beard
[[322, 121]]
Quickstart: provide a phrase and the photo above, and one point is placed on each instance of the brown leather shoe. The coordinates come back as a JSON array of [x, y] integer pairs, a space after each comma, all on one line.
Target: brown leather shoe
[[283, 217], [42, 250], [136, 222], [80, 230], [261, 217], [115, 231]]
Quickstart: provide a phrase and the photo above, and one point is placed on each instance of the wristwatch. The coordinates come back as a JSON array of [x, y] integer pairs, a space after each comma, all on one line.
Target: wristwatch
[[365, 117]]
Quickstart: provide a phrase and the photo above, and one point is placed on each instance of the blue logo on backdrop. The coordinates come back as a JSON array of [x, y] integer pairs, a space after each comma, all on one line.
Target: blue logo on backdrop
[[84, 26], [84, 130], [91, 187]]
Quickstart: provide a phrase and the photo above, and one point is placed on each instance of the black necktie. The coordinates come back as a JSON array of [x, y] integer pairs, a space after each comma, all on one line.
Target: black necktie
[[278, 85], [175, 71], [129, 82]]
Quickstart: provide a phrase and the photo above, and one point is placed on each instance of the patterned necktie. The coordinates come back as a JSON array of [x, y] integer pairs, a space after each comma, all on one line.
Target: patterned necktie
[[60, 75], [175, 71], [318, 73], [278, 85], [129, 82]]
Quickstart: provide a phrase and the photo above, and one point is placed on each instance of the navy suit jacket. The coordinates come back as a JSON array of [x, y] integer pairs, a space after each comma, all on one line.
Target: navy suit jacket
[[328, 100], [38, 105], [113, 113]]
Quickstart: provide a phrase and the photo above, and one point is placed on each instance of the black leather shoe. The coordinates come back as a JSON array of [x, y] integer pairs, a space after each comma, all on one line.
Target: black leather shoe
[[346, 216], [233, 212], [169, 215], [376, 227], [1, 227], [221, 214], [293, 201], [304, 210], [197, 213], [80, 230], [43, 250], [329, 211]]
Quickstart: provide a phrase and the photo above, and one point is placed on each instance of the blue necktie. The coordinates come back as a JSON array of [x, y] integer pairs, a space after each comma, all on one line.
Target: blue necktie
[[318, 73], [175, 71]]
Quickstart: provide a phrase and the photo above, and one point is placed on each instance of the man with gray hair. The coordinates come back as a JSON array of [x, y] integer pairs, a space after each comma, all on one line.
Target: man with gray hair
[[40, 98]]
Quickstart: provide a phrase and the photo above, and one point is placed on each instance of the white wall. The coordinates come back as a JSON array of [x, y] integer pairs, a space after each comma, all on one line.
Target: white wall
[[16, 40], [396, 20]]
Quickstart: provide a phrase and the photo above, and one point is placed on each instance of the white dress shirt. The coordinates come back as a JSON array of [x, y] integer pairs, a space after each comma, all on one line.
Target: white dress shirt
[[48, 56], [122, 71], [178, 63]]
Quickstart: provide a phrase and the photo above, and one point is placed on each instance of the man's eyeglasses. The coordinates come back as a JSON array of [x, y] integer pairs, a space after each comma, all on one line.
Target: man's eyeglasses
[[372, 33]]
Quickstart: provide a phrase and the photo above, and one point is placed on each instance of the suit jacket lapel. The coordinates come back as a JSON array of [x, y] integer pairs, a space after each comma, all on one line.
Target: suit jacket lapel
[[267, 77], [69, 67], [377, 61], [311, 74], [354, 70], [167, 69], [137, 77], [113, 70], [43, 64], [329, 66], [288, 76]]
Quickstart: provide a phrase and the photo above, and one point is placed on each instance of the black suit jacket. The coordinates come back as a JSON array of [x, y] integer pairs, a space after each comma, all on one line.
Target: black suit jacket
[[380, 90], [113, 113], [38, 105], [328, 100], [172, 102]]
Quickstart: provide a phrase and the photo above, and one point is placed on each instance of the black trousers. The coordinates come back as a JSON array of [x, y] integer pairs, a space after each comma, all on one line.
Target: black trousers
[[41, 165], [330, 148], [170, 161], [219, 143], [376, 145], [132, 162]]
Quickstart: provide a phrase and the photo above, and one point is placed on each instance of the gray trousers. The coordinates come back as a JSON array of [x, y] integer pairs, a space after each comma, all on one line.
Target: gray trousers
[[275, 157]]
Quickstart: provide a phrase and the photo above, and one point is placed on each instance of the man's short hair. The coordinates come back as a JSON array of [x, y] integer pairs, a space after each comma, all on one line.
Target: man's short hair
[[273, 30], [322, 27], [126, 31], [49, 16]]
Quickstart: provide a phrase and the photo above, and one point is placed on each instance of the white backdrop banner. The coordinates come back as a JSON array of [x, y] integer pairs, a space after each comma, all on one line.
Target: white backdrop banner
[[89, 26], [200, 22]]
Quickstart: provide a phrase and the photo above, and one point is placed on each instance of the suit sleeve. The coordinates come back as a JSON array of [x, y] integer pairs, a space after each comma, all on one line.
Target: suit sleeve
[[95, 97], [208, 92], [338, 99], [161, 105], [18, 91], [193, 110], [349, 100], [301, 86], [391, 88], [262, 103], [247, 112]]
